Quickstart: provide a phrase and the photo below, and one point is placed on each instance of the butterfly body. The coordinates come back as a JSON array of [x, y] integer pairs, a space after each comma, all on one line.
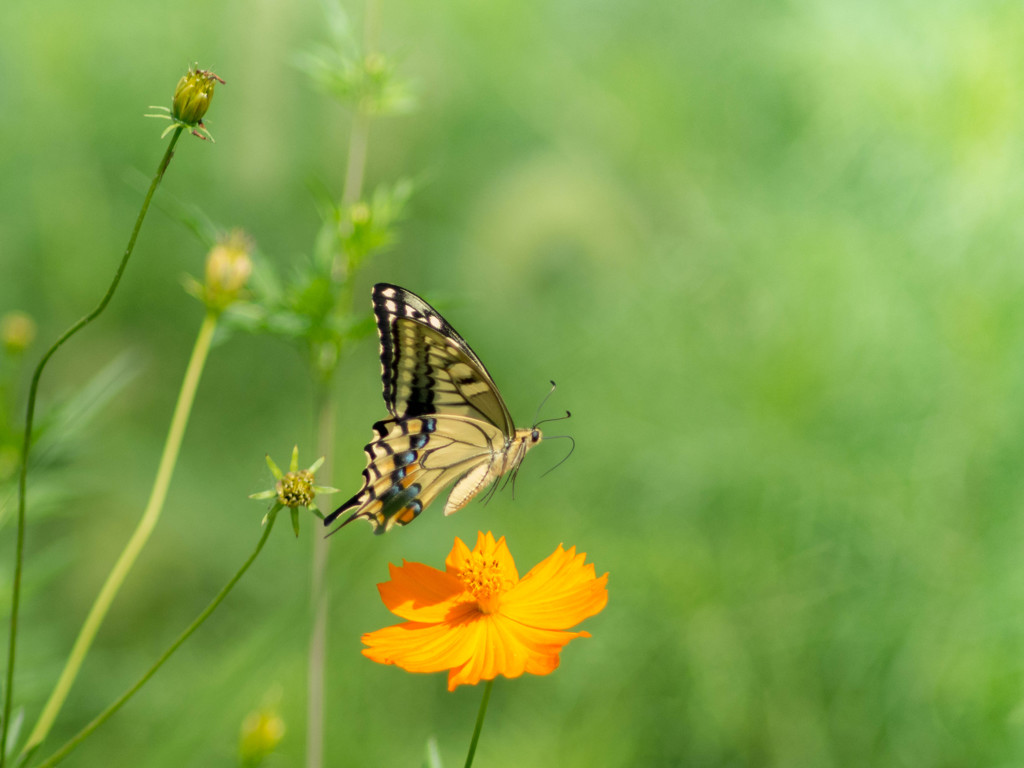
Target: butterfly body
[[448, 422]]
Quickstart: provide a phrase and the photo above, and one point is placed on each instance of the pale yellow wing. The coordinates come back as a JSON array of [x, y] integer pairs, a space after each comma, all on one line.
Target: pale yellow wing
[[412, 461], [449, 423]]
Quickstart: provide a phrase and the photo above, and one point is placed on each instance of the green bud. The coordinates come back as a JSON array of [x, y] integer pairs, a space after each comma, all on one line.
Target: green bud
[[261, 733], [193, 95], [17, 330], [228, 267], [293, 490]]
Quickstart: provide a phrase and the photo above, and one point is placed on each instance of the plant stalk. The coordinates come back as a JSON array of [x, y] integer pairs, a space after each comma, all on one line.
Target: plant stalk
[[186, 397], [355, 170], [325, 421], [479, 723], [27, 439], [63, 752]]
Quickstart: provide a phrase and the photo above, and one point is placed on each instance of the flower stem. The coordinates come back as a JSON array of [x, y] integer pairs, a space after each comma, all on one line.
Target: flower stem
[[355, 168], [479, 723], [27, 439], [63, 752], [138, 540], [325, 419]]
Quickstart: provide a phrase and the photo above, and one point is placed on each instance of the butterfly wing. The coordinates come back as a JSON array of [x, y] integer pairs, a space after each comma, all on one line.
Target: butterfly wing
[[427, 367], [448, 422], [413, 460]]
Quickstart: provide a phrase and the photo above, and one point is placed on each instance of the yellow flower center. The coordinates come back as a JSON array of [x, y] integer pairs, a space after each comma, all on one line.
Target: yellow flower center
[[483, 579], [296, 489]]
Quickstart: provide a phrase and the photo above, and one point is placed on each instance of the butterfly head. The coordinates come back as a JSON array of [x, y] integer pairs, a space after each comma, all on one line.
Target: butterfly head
[[526, 439]]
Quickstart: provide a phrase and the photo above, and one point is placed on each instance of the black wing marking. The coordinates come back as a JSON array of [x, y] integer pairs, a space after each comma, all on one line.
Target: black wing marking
[[410, 462], [427, 367]]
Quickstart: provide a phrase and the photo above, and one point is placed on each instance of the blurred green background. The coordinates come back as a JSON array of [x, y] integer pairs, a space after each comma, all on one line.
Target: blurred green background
[[772, 255]]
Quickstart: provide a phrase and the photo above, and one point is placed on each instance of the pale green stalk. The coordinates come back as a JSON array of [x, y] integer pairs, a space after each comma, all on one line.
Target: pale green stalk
[[63, 752], [355, 169], [325, 447], [479, 723], [26, 446], [318, 589], [138, 539]]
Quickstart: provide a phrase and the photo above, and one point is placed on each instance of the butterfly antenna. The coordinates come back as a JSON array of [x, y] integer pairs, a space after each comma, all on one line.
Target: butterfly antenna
[[539, 407], [568, 415], [573, 448]]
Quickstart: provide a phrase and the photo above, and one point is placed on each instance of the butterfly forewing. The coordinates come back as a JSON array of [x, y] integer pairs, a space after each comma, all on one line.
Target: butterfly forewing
[[449, 423], [427, 367]]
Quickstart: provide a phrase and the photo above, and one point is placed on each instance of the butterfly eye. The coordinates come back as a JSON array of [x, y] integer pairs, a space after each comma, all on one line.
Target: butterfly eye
[[535, 435]]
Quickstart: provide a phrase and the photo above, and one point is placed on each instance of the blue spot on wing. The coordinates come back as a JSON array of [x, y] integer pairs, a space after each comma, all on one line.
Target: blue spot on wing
[[397, 498]]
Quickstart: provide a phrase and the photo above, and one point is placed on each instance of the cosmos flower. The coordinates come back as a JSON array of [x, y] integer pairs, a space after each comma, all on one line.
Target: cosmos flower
[[477, 619]]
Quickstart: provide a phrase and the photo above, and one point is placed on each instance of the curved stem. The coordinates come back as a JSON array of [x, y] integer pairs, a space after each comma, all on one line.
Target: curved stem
[[27, 439], [479, 723], [63, 752], [165, 470]]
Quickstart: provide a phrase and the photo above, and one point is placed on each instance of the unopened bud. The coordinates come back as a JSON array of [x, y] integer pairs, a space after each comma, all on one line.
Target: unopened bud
[[359, 214], [17, 330], [261, 733], [228, 267], [193, 95]]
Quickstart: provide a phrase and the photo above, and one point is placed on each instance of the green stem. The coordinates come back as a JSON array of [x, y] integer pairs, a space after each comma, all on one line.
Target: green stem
[[357, 153], [479, 723], [355, 170], [27, 440], [138, 540], [63, 752], [325, 420]]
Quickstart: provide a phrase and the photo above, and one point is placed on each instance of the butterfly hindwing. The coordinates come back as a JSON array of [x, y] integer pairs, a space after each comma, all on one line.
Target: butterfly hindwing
[[411, 461]]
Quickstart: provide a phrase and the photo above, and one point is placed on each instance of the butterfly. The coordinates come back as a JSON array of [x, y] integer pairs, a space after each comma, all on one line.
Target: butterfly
[[448, 422]]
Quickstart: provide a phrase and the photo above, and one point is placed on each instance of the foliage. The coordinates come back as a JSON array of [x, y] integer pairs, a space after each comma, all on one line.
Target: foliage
[[767, 251]]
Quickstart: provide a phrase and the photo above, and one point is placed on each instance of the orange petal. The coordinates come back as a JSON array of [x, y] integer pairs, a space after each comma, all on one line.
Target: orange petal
[[510, 649], [487, 548], [499, 551], [418, 647], [420, 593], [458, 557], [557, 593]]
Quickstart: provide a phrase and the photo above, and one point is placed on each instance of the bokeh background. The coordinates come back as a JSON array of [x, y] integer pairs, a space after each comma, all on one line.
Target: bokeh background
[[772, 254]]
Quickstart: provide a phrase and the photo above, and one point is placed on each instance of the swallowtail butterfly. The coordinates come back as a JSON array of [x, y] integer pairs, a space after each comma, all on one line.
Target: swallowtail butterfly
[[448, 423]]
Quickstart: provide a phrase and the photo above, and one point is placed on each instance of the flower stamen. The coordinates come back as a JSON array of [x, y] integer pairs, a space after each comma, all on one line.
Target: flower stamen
[[295, 489], [484, 581]]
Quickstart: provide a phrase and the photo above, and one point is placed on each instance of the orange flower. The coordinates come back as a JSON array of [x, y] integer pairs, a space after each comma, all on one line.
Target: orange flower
[[478, 619]]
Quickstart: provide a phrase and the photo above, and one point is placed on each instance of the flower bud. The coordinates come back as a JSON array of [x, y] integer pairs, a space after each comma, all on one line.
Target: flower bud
[[193, 95], [261, 733], [17, 330], [359, 214], [228, 267], [294, 490]]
